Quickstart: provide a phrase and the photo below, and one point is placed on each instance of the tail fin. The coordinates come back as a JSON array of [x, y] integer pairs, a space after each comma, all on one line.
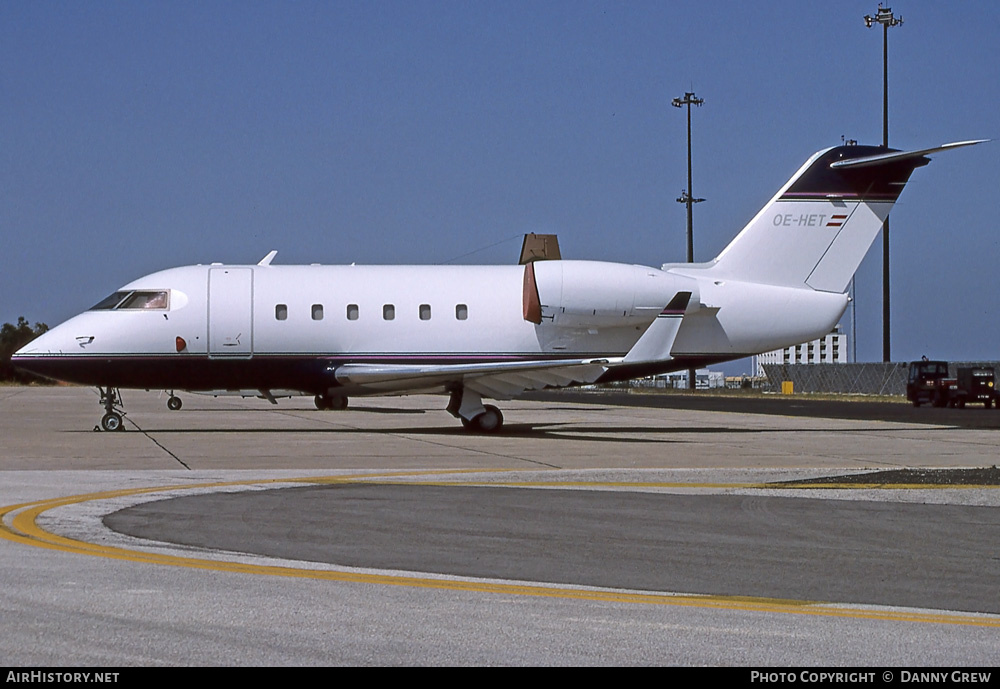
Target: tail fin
[[819, 226]]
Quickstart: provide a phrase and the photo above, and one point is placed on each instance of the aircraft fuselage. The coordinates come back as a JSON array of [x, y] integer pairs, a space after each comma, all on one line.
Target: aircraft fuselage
[[290, 327]]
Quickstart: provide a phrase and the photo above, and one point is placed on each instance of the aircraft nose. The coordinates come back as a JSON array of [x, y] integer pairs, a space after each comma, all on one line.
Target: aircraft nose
[[52, 343], [24, 358], [39, 345], [50, 355]]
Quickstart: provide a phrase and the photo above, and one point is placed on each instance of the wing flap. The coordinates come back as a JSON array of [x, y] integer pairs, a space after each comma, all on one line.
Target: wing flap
[[500, 380]]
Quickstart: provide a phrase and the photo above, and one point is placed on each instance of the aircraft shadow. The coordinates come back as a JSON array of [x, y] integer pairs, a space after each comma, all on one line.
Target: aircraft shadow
[[231, 410], [613, 434]]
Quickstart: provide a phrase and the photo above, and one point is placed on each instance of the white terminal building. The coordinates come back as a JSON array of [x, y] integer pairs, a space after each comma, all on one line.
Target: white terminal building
[[829, 349]]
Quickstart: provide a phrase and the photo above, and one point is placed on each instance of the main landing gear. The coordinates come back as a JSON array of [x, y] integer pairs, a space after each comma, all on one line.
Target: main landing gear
[[468, 407], [330, 402], [174, 402], [114, 414]]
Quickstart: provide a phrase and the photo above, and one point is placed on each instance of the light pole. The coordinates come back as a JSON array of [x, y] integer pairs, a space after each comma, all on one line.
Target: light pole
[[687, 198], [885, 17]]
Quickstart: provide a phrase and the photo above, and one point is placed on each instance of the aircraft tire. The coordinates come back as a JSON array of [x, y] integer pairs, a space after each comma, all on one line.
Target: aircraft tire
[[326, 403], [490, 421], [174, 403], [111, 422]]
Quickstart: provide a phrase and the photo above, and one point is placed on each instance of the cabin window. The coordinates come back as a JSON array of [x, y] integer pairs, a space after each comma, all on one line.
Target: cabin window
[[317, 312], [425, 312], [461, 312], [352, 312], [388, 312], [281, 312]]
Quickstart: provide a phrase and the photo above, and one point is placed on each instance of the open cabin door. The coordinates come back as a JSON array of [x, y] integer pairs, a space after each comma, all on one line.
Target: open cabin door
[[230, 312]]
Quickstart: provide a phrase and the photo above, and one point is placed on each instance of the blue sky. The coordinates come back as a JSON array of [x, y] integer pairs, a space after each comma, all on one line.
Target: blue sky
[[136, 136]]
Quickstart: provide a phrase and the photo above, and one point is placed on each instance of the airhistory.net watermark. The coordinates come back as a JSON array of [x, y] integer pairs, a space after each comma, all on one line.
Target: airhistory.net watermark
[[44, 676]]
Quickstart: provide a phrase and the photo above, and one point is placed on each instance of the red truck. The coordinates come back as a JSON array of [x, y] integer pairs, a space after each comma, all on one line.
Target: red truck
[[928, 382]]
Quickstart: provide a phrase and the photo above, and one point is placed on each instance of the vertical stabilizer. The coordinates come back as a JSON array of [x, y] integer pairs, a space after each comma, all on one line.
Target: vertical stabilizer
[[819, 226]]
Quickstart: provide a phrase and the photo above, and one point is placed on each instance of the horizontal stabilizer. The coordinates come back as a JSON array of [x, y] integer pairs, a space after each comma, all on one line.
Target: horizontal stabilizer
[[656, 343], [893, 156]]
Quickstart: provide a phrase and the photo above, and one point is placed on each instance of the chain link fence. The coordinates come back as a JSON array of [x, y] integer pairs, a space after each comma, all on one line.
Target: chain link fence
[[852, 379]]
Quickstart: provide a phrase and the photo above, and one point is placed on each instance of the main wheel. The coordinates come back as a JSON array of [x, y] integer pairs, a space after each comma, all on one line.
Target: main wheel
[[111, 421], [490, 421], [174, 403], [327, 403]]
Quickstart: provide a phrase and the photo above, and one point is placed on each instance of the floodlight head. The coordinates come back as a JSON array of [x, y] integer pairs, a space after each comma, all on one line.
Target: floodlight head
[[883, 17], [688, 99]]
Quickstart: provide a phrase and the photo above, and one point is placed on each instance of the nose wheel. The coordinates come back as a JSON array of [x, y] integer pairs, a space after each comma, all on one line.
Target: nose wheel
[[174, 403], [113, 419]]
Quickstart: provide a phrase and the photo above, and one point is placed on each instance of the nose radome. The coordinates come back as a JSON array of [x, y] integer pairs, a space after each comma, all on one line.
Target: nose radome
[[40, 345], [55, 341]]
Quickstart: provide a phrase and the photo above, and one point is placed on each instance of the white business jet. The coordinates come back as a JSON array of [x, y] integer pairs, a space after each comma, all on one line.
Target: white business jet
[[476, 332]]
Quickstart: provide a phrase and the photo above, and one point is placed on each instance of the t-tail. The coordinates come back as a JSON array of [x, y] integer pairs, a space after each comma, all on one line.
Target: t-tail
[[819, 226]]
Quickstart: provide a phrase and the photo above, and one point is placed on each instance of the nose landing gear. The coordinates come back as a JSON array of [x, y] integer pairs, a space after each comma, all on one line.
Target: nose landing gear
[[112, 420]]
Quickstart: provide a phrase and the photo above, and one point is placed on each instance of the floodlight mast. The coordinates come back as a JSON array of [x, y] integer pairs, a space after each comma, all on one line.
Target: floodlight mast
[[885, 17], [686, 197]]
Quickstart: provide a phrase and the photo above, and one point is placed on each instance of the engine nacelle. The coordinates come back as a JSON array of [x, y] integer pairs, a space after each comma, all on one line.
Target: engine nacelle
[[596, 294]]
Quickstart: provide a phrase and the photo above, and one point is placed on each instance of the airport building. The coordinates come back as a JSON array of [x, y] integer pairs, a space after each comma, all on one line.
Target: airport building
[[830, 349], [704, 380]]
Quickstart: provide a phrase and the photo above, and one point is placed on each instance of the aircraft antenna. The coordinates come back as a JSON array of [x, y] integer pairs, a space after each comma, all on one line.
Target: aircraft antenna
[[482, 248]]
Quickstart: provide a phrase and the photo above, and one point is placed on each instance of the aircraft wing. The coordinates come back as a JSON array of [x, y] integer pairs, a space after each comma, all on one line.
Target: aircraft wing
[[506, 379], [499, 380]]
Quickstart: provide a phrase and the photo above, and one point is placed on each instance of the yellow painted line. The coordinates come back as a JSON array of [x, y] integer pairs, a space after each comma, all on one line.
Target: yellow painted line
[[24, 529]]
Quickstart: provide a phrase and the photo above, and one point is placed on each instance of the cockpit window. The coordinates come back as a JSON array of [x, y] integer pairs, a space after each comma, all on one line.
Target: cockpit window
[[145, 300], [134, 300], [110, 302]]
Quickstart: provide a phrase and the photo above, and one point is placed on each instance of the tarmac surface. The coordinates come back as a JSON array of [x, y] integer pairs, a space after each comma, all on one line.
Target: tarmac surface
[[856, 407], [234, 532]]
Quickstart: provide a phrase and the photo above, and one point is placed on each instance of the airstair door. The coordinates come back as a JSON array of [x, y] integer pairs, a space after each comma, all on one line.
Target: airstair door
[[230, 312]]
